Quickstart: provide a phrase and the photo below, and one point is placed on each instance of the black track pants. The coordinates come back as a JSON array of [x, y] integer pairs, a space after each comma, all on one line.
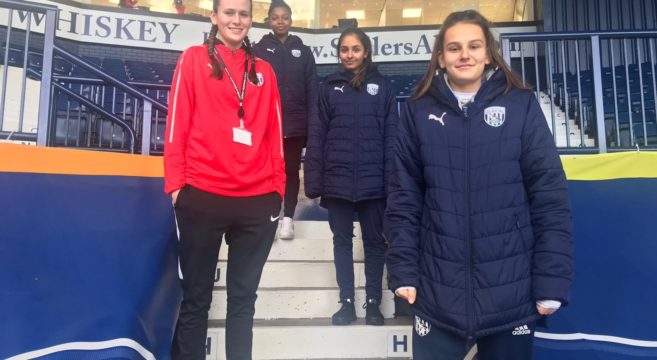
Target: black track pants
[[249, 225]]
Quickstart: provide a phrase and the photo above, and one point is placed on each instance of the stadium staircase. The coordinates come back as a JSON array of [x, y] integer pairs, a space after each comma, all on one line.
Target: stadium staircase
[[298, 292], [13, 107], [565, 135], [297, 296]]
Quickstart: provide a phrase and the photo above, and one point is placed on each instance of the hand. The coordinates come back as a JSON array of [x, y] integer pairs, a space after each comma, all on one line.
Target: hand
[[174, 197], [408, 294], [545, 311]]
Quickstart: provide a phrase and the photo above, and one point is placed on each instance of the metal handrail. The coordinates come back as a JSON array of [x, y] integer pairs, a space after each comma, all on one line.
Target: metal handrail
[[85, 80], [89, 81], [25, 5], [600, 50], [100, 110], [577, 35], [95, 107], [118, 83], [129, 88]]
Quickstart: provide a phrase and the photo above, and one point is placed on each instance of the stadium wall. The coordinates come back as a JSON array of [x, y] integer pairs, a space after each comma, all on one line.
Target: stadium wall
[[88, 257], [153, 37]]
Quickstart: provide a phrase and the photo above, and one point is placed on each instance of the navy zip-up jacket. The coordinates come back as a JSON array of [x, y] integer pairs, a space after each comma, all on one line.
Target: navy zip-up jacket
[[349, 151], [294, 65], [478, 216]]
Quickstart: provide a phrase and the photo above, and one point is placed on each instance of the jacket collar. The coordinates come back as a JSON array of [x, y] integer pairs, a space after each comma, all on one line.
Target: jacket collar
[[492, 85], [292, 40], [346, 76]]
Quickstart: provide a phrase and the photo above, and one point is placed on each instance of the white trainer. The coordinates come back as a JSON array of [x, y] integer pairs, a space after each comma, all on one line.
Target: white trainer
[[287, 229]]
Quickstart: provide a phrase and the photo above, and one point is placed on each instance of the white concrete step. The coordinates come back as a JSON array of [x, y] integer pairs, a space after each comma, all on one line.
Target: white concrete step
[[299, 303], [13, 101], [307, 249], [318, 230], [317, 339], [316, 274], [560, 130]]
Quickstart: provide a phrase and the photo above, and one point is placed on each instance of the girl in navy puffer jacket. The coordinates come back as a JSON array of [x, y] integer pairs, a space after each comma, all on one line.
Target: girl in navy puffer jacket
[[478, 218], [348, 159]]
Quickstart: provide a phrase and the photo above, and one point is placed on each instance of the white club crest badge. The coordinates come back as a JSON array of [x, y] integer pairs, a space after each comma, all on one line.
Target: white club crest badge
[[372, 89], [422, 327], [296, 53], [495, 115], [261, 79]]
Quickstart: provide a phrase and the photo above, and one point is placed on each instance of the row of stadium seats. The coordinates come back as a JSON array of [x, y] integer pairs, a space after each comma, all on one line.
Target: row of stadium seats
[[77, 126], [145, 72], [129, 70], [628, 93]]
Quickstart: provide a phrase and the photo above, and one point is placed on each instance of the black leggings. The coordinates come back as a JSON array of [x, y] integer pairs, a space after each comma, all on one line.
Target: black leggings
[[292, 148], [249, 225]]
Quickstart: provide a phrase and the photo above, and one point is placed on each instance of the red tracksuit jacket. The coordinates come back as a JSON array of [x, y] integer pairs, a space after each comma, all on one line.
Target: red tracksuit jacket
[[200, 149]]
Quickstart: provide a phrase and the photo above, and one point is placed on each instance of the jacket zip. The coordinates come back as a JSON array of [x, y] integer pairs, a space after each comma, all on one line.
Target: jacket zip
[[356, 152], [284, 72], [468, 236]]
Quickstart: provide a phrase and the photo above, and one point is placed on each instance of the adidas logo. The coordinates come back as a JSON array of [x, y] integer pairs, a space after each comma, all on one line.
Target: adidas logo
[[521, 330]]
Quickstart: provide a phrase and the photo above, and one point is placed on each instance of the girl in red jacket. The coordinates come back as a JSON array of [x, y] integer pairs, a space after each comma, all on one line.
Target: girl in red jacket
[[225, 172]]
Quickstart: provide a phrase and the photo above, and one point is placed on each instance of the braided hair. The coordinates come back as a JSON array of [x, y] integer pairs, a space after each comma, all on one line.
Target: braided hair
[[253, 77], [217, 62]]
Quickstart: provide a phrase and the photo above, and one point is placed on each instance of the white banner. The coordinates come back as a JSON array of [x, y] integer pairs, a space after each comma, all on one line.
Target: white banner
[[147, 30]]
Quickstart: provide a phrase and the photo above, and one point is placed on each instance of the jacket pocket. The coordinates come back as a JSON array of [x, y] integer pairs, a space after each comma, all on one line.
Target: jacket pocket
[[527, 253]]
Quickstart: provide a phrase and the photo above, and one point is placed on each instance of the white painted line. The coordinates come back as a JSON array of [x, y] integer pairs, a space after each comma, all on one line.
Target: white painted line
[[124, 342], [593, 337]]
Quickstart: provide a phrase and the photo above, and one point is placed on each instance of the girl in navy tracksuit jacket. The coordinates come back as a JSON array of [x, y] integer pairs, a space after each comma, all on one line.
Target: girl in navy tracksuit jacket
[[294, 65], [478, 218], [348, 159]]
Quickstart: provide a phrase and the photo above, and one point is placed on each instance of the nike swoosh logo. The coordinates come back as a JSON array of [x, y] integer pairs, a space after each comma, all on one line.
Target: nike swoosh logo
[[272, 219]]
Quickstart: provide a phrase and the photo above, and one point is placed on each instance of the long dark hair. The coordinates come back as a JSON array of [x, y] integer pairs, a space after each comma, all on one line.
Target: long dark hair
[[216, 61], [362, 70], [278, 3], [496, 60]]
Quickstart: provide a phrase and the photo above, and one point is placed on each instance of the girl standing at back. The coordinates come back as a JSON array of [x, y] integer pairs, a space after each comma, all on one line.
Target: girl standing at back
[[348, 161], [224, 169], [294, 65], [478, 218]]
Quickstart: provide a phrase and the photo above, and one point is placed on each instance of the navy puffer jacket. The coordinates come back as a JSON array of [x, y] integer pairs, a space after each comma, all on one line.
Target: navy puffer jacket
[[478, 216], [349, 151], [294, 65]]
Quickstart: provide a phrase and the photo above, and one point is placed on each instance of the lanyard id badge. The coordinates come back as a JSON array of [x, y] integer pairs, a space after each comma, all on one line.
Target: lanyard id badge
[[242, 135]]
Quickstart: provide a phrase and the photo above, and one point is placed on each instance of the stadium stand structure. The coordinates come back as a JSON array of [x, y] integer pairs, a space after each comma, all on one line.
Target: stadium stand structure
[[114, 104]]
